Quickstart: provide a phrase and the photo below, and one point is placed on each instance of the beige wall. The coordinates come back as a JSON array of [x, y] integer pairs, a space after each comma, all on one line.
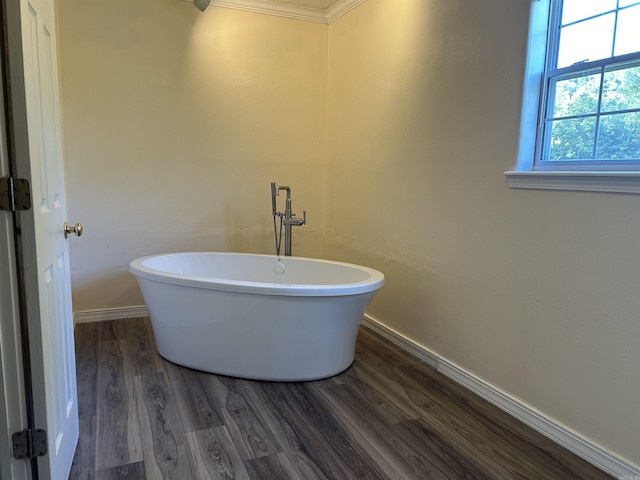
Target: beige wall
[[177, 121], [537, 292], [175, 124]]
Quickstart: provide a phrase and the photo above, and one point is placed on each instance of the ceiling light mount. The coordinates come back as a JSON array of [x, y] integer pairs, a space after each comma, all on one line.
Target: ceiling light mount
[[201, 4]]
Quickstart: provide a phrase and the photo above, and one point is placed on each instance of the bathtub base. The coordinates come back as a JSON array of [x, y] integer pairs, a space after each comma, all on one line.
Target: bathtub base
[[259, 337]]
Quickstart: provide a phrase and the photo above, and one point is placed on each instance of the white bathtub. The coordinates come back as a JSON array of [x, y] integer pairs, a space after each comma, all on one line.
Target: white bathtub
[[256, 316]]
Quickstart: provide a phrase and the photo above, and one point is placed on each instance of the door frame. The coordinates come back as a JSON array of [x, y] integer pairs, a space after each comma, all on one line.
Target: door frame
[[13, 402]]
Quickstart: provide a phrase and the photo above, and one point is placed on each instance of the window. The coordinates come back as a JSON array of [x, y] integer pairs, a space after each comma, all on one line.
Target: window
[[581, 111]]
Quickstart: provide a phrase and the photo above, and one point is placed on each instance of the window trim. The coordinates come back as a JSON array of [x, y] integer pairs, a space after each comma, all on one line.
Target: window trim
[[525, 176], [582, 181]]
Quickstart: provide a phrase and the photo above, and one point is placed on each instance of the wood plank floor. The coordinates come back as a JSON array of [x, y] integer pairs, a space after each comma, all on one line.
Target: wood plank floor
[[388, 416]]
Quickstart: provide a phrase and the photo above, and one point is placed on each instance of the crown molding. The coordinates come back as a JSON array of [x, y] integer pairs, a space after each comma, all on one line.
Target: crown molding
[[269, 7], [341, 8]]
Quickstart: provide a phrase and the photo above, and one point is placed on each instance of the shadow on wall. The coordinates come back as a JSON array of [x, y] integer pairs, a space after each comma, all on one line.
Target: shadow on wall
[[410, 287]]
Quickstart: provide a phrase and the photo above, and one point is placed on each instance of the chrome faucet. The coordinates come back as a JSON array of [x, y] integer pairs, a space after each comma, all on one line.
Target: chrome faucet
[[287, 219]]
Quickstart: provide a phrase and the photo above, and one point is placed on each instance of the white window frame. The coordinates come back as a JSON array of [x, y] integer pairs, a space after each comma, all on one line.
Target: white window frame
[[582, 176]]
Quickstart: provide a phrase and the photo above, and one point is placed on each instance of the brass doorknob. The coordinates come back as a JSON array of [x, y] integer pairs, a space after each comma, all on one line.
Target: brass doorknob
[[68, 229]]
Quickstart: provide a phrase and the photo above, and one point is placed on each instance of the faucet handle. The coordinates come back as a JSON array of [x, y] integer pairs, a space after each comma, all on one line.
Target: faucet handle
[[298, 221], [303, 220]]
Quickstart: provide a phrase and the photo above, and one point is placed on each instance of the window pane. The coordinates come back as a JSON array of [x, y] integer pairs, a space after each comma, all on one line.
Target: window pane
[[589, 40], [576, 96], [591, 111], [627, 35], [621, 89], [619, 137], [574, 10], [572, 139]]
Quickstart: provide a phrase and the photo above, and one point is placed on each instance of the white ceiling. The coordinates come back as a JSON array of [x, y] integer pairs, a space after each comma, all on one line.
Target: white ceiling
[[323, 11]]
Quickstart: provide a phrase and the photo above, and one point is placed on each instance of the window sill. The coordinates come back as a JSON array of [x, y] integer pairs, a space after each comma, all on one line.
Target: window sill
[[609, 182]]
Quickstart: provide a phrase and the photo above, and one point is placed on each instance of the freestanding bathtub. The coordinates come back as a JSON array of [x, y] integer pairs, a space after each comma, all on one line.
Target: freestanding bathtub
[[255, 316]]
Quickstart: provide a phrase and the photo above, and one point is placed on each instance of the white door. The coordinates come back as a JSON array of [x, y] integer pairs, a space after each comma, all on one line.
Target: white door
[[51, 331]]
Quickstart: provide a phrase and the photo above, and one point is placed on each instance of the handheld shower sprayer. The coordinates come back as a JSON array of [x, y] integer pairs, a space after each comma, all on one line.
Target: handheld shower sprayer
[[274, 194]]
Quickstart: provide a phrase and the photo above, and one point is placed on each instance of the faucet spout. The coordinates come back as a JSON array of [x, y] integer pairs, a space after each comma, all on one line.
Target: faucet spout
[[287, 189]]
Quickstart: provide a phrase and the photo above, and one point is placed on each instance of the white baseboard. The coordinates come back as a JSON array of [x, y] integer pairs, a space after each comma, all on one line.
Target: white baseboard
[[423, 353], [102, 314], [590, 451]]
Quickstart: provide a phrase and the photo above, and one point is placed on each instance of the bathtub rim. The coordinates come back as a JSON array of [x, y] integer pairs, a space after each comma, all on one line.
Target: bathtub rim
[[373, 283]]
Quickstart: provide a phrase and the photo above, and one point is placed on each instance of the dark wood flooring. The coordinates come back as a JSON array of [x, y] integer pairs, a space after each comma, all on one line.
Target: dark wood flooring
[[388, 416]]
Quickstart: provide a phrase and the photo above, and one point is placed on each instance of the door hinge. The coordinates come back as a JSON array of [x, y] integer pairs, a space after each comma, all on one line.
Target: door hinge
[[29, 443], [15, 194]]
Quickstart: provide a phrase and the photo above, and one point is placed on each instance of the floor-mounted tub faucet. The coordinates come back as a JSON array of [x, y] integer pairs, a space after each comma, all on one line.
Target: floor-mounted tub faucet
[[287, 219]]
